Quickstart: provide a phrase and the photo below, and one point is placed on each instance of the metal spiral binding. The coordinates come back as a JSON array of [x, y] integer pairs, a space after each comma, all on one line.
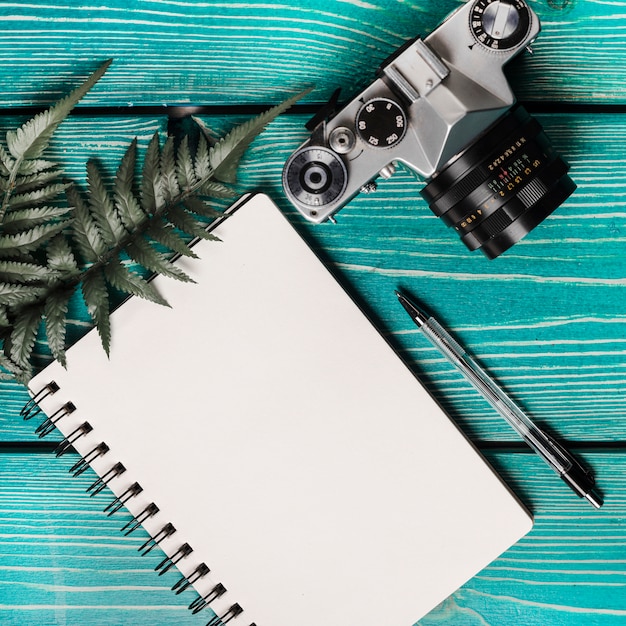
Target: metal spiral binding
[[49, 424], [201, 601], [33, 408], [116, 504], [135, 522], [76, 434], [166, 531], [234, 611], [187, 581], [166, 564], [80, 466], [97, 486]]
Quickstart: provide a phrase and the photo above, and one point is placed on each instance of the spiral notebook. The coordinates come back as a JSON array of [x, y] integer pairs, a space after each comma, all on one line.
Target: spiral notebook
[[274, 446]]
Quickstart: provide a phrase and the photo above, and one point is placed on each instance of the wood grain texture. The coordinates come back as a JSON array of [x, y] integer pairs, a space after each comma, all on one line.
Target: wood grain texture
[[547, 318], [180, 51], [64, 562]]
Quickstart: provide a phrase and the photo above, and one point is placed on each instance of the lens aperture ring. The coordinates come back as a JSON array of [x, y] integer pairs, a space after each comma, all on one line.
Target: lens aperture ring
[[515, 219], [499, 185]]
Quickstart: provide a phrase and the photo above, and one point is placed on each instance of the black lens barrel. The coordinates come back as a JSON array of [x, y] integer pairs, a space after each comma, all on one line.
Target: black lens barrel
[[502, 186]]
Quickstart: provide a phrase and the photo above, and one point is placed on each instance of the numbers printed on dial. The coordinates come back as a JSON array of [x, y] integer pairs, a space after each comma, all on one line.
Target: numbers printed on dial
[[500, 24], [381, 123]]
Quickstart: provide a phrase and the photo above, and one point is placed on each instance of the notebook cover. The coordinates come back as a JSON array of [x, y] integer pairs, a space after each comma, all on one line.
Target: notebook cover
[[284, 439]]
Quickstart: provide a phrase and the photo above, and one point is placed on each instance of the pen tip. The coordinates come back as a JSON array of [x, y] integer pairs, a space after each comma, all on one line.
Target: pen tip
[[418, 316]]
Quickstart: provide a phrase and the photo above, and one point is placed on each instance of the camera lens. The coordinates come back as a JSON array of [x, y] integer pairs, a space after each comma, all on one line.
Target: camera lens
[[502, 186]]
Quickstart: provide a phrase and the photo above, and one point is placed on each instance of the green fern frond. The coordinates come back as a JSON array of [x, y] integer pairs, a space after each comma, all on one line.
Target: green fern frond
[[22, 273], [151, 188], [85, 231], [34, 167], [15, 294], [96, 297], [122, 278], [169, 179], [165, 234], [24, 334], [25, 219], [227, 152], [32, 198], [184, 166], [30, 239], [55, 313], [141, 251], [61, 259], [188, 224], [102, 207], [126, 202], [31, 139], [120, 227]]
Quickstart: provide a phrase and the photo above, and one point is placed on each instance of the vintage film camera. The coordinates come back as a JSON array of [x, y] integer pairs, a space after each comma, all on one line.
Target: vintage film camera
[[443, 107]]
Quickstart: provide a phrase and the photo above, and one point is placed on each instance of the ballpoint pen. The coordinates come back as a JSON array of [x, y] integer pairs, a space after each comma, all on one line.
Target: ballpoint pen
[[580, 480]]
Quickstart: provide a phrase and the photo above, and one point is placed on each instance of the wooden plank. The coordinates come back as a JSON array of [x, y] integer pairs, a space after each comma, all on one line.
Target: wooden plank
[[547, 317], [64, 561], [170, 52]]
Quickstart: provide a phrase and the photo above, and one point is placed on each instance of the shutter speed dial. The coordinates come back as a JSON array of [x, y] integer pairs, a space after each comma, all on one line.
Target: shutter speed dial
[[500, 24], [381, 123]]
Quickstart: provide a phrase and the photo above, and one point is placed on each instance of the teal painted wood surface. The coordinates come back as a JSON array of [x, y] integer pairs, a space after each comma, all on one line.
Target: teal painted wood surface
[[170, 52], [64, 562], [547, 318]]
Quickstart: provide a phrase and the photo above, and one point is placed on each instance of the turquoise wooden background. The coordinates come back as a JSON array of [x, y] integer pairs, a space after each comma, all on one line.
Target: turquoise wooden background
[[548, 318]]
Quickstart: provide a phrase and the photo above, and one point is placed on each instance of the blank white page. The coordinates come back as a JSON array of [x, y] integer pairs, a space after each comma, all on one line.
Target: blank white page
[[285, 440]]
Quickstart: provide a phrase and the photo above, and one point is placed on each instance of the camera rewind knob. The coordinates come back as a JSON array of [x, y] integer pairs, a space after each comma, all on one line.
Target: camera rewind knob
[[500, 25]]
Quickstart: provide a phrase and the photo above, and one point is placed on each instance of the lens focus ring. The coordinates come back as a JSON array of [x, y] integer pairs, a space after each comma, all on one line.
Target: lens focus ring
[[501, 186]]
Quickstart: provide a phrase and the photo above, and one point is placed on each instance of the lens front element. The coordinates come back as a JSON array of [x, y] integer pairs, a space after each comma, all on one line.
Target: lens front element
[[501, 186]]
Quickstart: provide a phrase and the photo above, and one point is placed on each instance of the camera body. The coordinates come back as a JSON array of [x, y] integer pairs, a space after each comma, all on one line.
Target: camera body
[[443, 107]]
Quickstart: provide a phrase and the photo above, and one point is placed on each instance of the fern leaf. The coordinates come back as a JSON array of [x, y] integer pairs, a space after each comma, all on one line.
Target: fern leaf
[[163, 233], [29, 240], [4, 317], [49, 192], [226, 154], [185, 222], [125, 201], [96, 298], [21, 272], [102, 208], [24, 334], [61, 258], [32, 138], [13, 369], [144, 254], [151, 191], [55, 311], [31, 182], [34, 167], [85, 231], [184, 165], [6, 162], [202, 162], [12, 295], [216, 190], [120, 277], [28, 218], [169, 179], [199, 207]]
